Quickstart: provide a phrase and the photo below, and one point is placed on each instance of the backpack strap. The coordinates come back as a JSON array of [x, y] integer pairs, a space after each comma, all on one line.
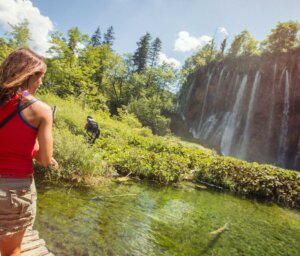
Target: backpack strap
[[18, 110]]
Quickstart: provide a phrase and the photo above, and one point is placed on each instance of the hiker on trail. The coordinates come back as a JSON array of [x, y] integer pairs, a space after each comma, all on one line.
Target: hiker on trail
[[25, 133], [92, 129]]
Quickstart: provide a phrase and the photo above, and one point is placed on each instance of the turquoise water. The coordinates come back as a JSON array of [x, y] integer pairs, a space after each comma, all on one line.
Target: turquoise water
[[144, 219]]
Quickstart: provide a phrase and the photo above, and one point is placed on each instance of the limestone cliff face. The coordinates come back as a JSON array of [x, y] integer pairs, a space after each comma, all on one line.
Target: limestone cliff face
[[248, 108]]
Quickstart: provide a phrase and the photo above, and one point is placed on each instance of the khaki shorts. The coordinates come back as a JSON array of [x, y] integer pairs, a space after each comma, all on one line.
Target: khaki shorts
[[17, 204]]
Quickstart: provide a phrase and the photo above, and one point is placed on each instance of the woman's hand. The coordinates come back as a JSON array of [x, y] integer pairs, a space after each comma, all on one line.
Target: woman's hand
[[54, 163]]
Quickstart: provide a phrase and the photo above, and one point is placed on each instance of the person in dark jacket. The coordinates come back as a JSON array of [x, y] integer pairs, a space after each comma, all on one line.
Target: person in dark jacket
[[92, 129]]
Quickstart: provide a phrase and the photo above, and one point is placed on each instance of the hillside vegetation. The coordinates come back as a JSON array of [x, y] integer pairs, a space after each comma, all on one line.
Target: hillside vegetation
[[127, 148]]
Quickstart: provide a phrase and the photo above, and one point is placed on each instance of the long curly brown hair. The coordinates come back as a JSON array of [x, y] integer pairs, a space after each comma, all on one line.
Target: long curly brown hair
[[16, 70]]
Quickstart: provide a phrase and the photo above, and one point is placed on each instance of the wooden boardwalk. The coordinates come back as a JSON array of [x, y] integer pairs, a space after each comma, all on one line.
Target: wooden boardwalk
[[32, 245]]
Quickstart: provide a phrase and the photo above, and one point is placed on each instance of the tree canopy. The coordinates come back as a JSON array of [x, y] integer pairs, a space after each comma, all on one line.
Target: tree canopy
[[283, 38]]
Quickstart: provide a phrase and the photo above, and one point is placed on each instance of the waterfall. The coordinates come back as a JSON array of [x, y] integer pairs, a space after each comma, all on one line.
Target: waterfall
[[281, 77], [297, 157], [248, 108], [204, 104], [220, 79], [190, 91], [249, 117], [218, 86], [208, 126], [284, 124], [191, 87], [229, 132], [273, 98]]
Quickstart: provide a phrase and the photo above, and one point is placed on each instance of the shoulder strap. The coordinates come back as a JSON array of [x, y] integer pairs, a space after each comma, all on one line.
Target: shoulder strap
[[18, 110]]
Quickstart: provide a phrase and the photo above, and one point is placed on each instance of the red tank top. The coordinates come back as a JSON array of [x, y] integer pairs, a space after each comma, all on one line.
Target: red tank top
[[17, 140]]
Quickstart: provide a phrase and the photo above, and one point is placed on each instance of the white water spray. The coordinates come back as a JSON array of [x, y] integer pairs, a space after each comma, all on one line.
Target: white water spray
[[284, 124], [273, 98], [245, 141], [204, 103], [230, 129]]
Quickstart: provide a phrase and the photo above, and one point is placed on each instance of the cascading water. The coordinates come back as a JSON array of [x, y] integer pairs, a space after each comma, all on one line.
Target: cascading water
[[245, 138], [257, 120], [218, 87], [297, 156], [191, 87], [188, 97], [204, 105], [284, 125], [230, 129], [272, 104]]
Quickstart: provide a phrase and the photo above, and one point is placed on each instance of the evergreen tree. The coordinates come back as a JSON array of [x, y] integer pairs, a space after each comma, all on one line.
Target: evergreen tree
[[154, 52], [96, 38], [141, 55], [109, 36]]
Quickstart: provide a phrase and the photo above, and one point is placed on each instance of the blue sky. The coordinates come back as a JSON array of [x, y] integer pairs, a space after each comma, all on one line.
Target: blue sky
[[197, 20]]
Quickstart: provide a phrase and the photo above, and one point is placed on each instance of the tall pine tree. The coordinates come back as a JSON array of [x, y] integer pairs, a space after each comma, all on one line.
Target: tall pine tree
[[154, 52], [141, 55], [96, 38], [109, 36]]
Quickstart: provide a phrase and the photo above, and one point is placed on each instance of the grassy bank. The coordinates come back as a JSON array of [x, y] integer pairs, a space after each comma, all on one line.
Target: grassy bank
[[128, 148]]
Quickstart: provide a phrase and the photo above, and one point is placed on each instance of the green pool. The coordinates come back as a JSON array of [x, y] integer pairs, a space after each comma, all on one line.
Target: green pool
[[144, 219]]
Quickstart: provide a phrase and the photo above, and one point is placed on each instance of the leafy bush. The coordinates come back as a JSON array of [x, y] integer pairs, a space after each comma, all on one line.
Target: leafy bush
[[149, 115], [261, 181], [127, 118], [76, 158]]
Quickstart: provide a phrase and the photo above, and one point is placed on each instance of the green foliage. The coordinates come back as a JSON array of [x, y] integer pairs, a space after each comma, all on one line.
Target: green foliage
[[127, 118], [283, 37], [109, 37], [102, 79], [141, 55], [75, 39], [154, 52], [96, 38], [20, 34], [243, 44], [147, 111], [262, 181], [5, 49], [76, 159], [202, 57]]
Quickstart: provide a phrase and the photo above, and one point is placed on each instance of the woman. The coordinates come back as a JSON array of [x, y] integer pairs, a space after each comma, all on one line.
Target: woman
[[26, 135]]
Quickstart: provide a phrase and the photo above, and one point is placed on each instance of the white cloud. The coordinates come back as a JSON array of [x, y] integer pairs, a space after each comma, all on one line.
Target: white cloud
[[223, 30], [15, 11], [185, 42], [163, 58]]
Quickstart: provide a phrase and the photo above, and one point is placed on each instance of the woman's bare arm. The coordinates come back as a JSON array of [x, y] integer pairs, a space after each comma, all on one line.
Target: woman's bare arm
[[45, 140]]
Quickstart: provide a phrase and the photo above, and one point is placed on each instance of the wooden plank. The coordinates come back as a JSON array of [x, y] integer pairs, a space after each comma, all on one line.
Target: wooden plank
[[41, 251], [31, 232], [33, 245], [29, 239]]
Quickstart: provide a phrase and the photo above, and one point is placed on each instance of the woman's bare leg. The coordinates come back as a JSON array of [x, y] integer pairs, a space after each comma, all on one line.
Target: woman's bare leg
[[11, 245]]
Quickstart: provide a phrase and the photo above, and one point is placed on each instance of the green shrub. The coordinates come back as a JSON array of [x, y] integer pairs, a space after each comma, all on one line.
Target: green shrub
[[76, 158], [149, 115]]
